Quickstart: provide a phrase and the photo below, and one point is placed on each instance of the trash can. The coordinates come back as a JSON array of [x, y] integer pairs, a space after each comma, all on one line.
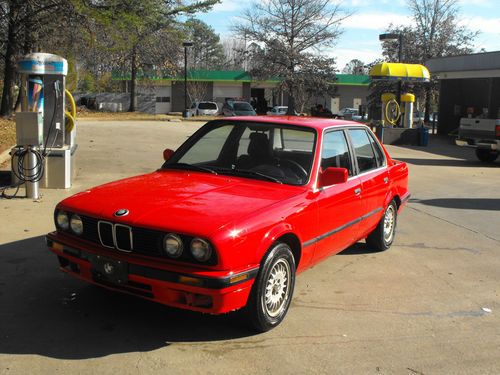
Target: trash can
[[423, 136]]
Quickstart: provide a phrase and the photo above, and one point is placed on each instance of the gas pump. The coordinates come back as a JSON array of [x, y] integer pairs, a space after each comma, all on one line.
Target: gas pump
[[45, 130]]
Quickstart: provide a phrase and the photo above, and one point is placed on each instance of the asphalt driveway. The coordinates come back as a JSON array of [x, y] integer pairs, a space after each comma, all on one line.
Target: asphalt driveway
[[429, 305]]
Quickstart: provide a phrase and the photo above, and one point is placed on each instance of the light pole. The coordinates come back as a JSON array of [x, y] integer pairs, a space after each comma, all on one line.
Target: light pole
[[399, 38], [185, 45]]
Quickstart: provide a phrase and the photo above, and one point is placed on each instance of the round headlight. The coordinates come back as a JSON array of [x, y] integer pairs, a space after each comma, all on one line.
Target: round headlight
[[62, 220], [201, 249], [172, 244], [76, 224]]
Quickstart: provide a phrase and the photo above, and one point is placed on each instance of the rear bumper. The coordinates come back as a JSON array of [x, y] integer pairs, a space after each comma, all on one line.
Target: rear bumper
[[478, 143], [212, 292]]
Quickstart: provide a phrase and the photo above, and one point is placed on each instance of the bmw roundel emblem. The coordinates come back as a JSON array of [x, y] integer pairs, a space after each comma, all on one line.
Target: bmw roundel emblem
[[121, 212]]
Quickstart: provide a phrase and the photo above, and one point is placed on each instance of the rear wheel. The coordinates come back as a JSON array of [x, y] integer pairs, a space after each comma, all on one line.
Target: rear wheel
[[383, 235], [487, 156], [273, 289]]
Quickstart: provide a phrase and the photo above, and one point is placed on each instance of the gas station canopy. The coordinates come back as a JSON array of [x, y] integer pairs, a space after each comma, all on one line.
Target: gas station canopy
[[399, 72]]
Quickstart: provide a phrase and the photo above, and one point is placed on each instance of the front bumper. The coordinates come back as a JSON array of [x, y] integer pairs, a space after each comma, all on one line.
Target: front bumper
[[214, 292]]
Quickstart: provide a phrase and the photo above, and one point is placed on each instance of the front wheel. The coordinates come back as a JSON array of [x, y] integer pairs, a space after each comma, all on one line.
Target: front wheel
[[487, 156], [383, 235], [273, 289]]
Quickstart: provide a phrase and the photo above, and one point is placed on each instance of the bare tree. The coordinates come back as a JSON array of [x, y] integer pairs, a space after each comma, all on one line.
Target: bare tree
[[290, 34]]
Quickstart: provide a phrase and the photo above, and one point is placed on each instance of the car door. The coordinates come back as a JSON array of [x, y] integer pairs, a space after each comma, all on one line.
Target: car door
[[338, 205], [371, 168]]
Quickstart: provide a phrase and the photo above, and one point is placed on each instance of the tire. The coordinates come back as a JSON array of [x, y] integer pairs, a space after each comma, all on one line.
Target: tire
[[277, 273], [383, 235], [486, 156]]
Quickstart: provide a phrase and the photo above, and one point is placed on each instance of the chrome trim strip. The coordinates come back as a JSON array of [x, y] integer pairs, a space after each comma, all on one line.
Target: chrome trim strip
[[99, 232], [342, 227], [130, 234]]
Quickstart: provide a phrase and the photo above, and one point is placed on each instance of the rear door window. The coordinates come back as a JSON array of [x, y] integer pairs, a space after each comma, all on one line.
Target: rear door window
[[363, 150]]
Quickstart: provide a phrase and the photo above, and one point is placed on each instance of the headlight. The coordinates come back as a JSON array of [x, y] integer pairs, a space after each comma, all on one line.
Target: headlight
[[172, 244], [76, 224], [62, 220], [201, 249]]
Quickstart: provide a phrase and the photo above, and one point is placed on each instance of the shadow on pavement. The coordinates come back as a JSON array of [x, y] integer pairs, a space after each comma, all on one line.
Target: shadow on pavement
[[48, 313], [487, 204], [358, 248], [445, 146], [448, 162]]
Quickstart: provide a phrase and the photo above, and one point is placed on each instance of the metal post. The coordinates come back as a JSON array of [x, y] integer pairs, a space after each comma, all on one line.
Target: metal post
[[400, 59], [184, 113], [185, 45], [31, 170]]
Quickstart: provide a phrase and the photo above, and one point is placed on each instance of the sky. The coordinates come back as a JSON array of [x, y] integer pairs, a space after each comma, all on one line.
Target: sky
[[359, 39]]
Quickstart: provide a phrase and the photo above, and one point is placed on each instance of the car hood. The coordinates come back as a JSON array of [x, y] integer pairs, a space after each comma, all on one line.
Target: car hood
[[188, 202]]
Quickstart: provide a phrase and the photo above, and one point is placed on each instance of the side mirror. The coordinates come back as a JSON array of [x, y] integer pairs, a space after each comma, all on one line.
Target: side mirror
[[167, 154], [332, 176]]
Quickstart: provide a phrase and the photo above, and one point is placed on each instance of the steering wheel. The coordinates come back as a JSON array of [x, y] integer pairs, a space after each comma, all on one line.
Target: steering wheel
[[296, 167]]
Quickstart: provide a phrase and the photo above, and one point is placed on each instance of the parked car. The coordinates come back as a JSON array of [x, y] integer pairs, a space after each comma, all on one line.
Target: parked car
[[351, 114], [278, 110], [347, 111], [204, 109], [232, 215], [281, 110], [238, 108]]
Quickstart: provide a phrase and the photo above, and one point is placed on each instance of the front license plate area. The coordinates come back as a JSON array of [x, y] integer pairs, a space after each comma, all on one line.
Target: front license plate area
[[111, 270]]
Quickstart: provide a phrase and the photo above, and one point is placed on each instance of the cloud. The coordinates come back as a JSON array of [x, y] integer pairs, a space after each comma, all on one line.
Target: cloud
[[482, 24], [375, 21], [482, 3], [344, 55], [229, 6]]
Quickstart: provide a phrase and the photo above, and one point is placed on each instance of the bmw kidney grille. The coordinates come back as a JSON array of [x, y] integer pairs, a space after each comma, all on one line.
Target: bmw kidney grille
[[115, 236]]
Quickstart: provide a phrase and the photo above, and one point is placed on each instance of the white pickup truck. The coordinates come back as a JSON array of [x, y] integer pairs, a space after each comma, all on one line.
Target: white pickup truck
[[483, 134]]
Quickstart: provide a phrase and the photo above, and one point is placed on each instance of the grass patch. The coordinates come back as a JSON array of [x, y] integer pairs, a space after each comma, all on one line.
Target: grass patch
[[7, 134]]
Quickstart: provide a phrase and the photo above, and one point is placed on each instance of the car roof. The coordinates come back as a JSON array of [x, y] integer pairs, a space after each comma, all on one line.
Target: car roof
[[317, 123]]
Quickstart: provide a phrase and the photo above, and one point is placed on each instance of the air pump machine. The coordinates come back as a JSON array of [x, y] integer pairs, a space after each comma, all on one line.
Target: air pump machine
[[45, 130]]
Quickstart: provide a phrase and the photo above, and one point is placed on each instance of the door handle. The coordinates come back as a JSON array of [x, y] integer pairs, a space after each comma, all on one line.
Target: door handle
[[386, 180], [357, 191]]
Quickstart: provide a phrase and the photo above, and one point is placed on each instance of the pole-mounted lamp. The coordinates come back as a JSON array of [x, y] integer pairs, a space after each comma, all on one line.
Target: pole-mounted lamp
[[399, 38], [185, 45]]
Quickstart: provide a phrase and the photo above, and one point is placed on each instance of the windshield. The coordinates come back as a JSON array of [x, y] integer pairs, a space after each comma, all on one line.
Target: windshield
[[207, 105], [271, 152], [242, 106]]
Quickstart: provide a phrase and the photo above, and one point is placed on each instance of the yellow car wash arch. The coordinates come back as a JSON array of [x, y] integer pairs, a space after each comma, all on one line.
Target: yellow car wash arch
[[391, 110]]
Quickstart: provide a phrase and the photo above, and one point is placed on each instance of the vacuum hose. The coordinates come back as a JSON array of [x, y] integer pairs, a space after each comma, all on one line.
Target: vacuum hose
[[70, 116]]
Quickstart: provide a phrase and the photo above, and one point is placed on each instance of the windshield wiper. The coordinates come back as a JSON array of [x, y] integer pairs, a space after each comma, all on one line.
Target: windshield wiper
[[187, 166], [248, 172]]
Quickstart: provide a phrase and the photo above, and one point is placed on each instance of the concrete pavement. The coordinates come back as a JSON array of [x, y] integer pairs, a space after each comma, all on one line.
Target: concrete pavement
[[419, 308]]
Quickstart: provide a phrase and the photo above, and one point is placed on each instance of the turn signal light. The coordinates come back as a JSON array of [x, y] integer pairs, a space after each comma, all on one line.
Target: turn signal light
[[190, 281], [236, 279], [497, 131]]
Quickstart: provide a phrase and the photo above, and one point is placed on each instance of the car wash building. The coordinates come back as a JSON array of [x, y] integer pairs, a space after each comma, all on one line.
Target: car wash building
[[469, 86], [167, 92]]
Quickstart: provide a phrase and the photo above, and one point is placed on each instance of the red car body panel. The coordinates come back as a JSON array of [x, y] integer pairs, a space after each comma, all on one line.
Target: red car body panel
[[241, 217]]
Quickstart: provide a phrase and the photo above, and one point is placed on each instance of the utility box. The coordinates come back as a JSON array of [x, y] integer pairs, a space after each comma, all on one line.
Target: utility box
[[29, 129]]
